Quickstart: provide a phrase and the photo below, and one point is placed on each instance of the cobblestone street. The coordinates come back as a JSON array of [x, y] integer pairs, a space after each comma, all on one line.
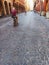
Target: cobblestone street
[[26, 44]]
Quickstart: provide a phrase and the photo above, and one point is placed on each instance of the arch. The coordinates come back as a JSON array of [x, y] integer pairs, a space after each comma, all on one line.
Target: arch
[[0, 3], [10, 6], [6, 7], [1, 9]]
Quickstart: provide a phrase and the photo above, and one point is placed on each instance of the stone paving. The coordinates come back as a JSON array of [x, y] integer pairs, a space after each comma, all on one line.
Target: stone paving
[[26, 44], [4, 20]]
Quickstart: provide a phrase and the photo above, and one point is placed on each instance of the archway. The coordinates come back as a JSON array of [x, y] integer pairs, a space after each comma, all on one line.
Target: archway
[[1, 9], [10, 7], [6, 7]]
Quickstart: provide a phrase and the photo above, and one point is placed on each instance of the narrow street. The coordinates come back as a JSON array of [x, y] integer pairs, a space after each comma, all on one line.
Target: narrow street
[[26, 44]]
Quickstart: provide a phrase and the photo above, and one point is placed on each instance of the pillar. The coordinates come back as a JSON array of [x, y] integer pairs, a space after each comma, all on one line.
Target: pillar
[[40, 6], [47, 12]]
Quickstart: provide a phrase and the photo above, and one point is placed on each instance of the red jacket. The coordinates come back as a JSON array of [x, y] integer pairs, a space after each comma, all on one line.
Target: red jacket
[[13, 12]]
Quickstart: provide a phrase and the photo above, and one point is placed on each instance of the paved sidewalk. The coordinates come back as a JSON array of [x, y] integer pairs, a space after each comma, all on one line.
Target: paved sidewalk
[[26, 44], [4, 20]]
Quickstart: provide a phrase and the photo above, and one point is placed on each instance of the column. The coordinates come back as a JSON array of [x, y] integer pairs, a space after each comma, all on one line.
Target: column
[[40, 7], [4, 8], [47, 12]]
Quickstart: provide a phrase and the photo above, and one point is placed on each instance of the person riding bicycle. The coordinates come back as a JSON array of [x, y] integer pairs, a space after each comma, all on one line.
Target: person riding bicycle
[[13, 12], [14, 16]]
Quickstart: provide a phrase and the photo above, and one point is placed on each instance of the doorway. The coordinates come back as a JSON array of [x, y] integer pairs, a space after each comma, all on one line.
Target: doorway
[[10, 7], [6, 7], [1, 9]]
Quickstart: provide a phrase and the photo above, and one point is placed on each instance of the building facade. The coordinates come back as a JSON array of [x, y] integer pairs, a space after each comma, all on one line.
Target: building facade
[[19, 5], [42, 5], [5, 7]]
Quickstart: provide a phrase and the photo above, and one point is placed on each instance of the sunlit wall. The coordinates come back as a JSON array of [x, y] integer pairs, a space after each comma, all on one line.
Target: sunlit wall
[[29, 4]]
